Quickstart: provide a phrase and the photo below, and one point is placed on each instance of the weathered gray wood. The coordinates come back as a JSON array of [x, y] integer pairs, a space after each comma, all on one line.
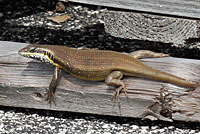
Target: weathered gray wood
[[23, 80], [185, 8], [150, 27]]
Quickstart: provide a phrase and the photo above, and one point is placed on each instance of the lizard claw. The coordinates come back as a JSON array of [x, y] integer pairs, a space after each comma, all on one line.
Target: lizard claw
[[50, 97], [118, 91]]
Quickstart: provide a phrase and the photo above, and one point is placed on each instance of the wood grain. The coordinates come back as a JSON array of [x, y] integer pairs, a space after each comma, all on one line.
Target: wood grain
[[23, 82], [150, 27], [185, 8]]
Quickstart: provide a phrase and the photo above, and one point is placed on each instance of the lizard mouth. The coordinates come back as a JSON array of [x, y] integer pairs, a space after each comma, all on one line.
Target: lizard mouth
[[43, 57], [38, 56]]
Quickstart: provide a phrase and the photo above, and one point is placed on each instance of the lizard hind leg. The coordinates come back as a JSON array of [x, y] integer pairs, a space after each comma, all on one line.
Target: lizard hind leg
[[147, 54], [113, 79]]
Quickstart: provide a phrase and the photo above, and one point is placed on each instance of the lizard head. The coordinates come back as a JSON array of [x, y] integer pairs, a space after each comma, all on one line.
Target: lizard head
[[37, 52]]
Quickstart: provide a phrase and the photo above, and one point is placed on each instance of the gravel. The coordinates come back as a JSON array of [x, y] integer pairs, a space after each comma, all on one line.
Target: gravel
[[27, 22], [81, 17], [36, 121]]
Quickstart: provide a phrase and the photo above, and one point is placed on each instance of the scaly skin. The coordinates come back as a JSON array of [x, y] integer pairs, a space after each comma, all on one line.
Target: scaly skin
[[97, 65]]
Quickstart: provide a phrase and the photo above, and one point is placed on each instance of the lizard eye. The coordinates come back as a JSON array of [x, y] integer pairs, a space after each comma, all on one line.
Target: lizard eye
[[32, 50]]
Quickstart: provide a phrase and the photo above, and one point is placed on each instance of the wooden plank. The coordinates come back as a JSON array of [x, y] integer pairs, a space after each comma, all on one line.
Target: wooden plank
[[150, 27], [185, 8], [23, 82]]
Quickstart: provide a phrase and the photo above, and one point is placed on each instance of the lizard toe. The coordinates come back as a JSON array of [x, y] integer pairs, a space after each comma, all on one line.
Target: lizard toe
[[118, 91], [50, 97]]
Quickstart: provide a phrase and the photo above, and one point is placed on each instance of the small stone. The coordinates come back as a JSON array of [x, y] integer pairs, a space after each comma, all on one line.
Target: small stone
[[192, 132], [60, 7], [144, 131], [134, 127], [105, 126], [101, 38], [1, 14], [9, 12]]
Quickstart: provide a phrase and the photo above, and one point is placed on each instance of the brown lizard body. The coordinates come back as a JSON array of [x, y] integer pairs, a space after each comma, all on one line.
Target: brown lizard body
[[97, 65]]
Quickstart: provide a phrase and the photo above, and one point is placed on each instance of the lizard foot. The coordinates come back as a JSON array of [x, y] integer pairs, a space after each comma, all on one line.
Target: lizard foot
[[118, 91], [114, 79], [50, 97]]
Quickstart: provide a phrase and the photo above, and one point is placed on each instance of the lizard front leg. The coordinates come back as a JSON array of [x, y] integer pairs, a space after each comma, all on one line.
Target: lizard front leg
[[52, 86], [146, 54], [113, 79]]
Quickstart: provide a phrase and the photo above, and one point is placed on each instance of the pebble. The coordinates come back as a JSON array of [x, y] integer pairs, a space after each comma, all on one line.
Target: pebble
[[134, 127], [60, 7], [1, 14]]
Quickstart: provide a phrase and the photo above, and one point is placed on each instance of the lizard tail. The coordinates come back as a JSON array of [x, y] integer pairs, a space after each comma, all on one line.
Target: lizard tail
[[166, 77]]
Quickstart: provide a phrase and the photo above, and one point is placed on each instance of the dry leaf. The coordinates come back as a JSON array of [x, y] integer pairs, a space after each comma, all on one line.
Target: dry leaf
[[59, 19]]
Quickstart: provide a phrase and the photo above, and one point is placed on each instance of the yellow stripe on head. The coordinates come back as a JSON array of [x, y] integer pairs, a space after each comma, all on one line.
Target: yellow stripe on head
[[40, 56]]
